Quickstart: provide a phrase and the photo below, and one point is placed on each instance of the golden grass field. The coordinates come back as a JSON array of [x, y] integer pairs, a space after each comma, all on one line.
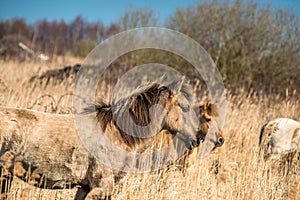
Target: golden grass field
[[230, 172]]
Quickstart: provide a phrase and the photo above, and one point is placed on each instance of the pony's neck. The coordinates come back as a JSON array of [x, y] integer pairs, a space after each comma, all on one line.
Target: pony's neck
[[126, 141], [130, 121], [116, 135]]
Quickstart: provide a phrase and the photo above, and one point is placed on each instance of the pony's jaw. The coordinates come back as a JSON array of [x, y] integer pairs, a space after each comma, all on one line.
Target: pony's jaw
[[185, 127], [188, 141]]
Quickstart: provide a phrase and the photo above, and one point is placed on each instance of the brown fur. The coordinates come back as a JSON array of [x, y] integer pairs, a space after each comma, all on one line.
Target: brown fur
[[265, 136], [208, 112], [26, 115], [296, 134], [267, 132]]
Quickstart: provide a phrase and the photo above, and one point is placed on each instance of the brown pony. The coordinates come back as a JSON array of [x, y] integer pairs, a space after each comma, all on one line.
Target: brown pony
[[46, 150]]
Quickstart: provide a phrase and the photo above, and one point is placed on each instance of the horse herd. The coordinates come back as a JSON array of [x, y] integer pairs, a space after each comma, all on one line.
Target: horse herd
[[45, 149]]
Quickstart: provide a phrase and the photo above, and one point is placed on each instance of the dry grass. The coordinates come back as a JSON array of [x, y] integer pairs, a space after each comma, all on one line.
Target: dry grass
[[231, 172]]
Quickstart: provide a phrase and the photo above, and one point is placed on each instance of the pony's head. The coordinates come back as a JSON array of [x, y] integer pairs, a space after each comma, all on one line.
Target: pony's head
[[210, 131], [180, 117], [155, 107], [150, 109]]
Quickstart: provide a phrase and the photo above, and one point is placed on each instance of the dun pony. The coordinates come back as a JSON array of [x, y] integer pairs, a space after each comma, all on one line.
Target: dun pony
[[45, 149], [211, 136]]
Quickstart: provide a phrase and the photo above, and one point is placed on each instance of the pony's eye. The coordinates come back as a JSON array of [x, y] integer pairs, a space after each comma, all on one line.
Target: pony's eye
[[185, 108], [208, 119]]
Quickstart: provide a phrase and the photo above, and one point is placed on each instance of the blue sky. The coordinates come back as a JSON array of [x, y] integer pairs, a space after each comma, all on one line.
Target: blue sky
[[106, 11]]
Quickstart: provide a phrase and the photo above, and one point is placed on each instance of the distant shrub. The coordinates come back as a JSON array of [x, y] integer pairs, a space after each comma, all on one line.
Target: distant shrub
[[9, 48], [83, 48], [253, 47]]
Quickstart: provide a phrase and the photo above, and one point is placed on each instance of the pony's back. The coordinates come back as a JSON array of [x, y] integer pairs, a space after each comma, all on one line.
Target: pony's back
[[279, 135]]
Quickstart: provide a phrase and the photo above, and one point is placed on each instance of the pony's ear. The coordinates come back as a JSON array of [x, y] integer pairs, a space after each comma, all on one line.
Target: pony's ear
[[178, 86], [211, 109], [200, 107]]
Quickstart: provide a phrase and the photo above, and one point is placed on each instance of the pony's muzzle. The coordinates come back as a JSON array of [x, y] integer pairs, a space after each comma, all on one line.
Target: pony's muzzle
[[191, 143], [200, 136]]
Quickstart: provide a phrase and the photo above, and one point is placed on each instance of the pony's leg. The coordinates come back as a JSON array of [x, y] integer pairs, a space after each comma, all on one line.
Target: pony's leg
[[5, 183], [103, 190], [6, 171], [81, 193], [98, 194]]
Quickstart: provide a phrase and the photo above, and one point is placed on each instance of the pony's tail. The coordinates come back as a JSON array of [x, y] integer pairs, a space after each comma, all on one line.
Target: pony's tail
[[96, 107], [262, 147], [262, 141], [261, 135]]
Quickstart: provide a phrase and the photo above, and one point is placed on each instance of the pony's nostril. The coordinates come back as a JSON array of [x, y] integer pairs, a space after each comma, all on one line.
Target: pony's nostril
[[190, 146], [220, 141], [196, 143]]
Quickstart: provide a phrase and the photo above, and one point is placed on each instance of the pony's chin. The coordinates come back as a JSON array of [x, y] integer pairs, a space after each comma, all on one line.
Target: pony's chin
[[192, 143], [189, 146], [196, 143], [200, 140], [189, 142]]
